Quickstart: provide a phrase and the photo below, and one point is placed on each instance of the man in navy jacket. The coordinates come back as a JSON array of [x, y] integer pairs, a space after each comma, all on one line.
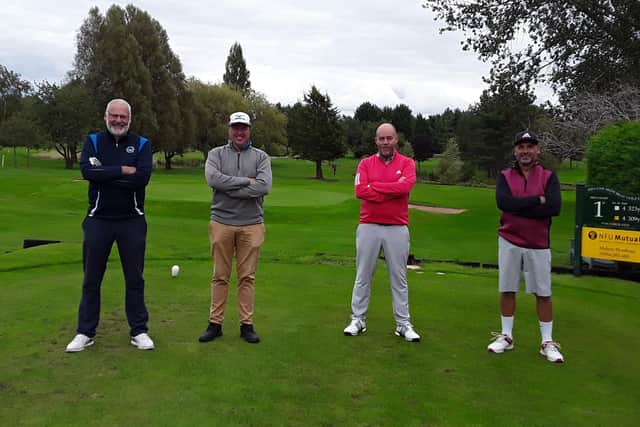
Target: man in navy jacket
[[117, 163]]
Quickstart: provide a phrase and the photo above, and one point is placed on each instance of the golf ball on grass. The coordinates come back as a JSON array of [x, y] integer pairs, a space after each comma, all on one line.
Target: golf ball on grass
[[175, 270]]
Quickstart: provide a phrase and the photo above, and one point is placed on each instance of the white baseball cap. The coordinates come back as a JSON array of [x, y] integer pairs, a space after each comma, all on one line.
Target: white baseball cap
[[239, 118]]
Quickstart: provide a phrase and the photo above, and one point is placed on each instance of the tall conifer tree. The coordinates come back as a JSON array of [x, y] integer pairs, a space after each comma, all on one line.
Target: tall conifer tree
[[236, 73], [314, 131], [126, 54]]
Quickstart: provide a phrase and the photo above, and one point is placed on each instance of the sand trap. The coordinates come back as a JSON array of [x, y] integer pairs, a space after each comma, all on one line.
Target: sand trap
[[438, 210]]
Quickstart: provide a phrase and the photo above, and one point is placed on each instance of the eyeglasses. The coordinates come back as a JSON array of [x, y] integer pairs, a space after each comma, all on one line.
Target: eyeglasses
[[119, 116]]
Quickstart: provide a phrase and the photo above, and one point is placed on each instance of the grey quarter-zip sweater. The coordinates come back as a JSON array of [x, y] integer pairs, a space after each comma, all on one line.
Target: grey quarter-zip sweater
[[228, 169]]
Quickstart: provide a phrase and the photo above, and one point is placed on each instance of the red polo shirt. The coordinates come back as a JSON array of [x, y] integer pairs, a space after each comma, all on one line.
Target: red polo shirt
[[384, 189]]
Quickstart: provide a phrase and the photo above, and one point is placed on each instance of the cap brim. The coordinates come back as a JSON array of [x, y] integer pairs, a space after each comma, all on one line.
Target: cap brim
[[534, 141]]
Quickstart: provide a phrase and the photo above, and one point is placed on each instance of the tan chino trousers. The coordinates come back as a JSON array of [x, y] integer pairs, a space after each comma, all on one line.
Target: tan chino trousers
[[245, 241]]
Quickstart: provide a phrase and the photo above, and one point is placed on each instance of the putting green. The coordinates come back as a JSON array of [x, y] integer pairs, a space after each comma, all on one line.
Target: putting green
[[190, 191], [299, 197]]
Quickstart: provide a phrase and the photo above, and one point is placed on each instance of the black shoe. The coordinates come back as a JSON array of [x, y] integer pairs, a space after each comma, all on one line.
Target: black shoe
[[213, 331], [248, 334]]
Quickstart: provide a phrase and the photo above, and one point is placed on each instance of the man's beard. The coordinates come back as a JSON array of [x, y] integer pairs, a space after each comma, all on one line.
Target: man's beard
[[117, 131], [530, 161]]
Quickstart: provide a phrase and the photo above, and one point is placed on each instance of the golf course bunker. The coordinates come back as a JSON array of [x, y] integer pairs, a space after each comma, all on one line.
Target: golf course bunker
[[437, 209]]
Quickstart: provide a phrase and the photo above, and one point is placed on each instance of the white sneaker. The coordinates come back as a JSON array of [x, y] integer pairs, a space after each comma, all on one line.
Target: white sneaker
[[501, 343], [356, 327], [79, 343], [551, 350], [407, 332], [142, 341]]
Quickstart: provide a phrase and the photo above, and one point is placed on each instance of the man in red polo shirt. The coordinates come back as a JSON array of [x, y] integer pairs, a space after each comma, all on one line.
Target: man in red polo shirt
[[383, 182], [528, 196]]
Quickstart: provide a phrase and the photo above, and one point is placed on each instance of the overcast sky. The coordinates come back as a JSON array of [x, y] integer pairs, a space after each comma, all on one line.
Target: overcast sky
[[383, 51]]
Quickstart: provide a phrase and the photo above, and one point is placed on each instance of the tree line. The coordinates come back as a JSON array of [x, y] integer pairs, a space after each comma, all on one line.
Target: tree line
[[126, 53]]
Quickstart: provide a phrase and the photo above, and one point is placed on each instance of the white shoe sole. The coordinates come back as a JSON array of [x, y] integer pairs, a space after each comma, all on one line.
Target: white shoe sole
[[76, 350], [139, 347], [490, 350], [349, 334], [561, 360], [398, 334]]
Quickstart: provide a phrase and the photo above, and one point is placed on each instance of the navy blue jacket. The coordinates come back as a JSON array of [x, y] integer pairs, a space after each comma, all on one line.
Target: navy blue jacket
[[113, 195]]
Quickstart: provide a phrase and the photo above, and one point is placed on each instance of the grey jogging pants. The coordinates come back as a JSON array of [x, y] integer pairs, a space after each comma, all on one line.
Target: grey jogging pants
[[394, 240]]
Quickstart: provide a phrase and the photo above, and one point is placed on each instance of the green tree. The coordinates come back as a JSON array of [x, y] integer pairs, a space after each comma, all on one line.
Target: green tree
[[368, 112], [450, 168], [236, 73], [269, 125], [387, 114], [352, 131], [361, 139], [212, 106], [443, 127], [115, 67], [485, 132], [403, 120], [170, 97], [126, 54], [22, 129], [575, 45], [295, 132], [67, 114], [87, 39], [612, 157], [422, 143], [12, 90], [367, 143], [404, 147], [314, 130]]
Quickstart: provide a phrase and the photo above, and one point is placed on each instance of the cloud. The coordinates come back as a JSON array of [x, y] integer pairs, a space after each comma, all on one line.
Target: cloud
[[386, 52]]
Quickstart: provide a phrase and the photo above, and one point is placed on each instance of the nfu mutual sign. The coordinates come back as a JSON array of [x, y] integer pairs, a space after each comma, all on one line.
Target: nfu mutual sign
[[607, 225]]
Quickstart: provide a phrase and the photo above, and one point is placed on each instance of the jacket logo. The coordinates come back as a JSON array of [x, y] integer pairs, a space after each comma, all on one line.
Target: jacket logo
[[131, 149]]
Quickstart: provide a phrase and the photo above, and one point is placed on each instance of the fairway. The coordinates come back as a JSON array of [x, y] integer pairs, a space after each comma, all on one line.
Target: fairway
[[305, 372]]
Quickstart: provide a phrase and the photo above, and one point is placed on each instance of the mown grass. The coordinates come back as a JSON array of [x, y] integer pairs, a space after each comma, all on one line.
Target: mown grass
[[572, 172], [305, 372]]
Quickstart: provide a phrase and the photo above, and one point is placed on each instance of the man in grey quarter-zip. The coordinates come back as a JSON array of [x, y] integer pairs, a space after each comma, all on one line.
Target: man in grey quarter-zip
[[240, 176]]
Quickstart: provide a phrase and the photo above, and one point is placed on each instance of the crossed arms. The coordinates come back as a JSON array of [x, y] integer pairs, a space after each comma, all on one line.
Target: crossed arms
[[378, 191], [543, 206], [125, 176], [239, 187]]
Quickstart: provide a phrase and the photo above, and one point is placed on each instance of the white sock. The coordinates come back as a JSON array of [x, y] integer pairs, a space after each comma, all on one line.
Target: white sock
[[546, 328], [507, 325]]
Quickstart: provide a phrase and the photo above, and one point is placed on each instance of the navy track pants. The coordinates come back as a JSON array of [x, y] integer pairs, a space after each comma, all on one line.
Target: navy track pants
[[99, 235]]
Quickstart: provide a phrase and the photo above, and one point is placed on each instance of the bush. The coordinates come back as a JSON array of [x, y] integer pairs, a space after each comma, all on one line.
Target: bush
[[450, 168], [612, 158], [478, 177], [405, 148]]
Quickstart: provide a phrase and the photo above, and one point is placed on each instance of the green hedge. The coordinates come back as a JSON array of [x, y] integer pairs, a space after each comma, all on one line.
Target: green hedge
[[613, 158]]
